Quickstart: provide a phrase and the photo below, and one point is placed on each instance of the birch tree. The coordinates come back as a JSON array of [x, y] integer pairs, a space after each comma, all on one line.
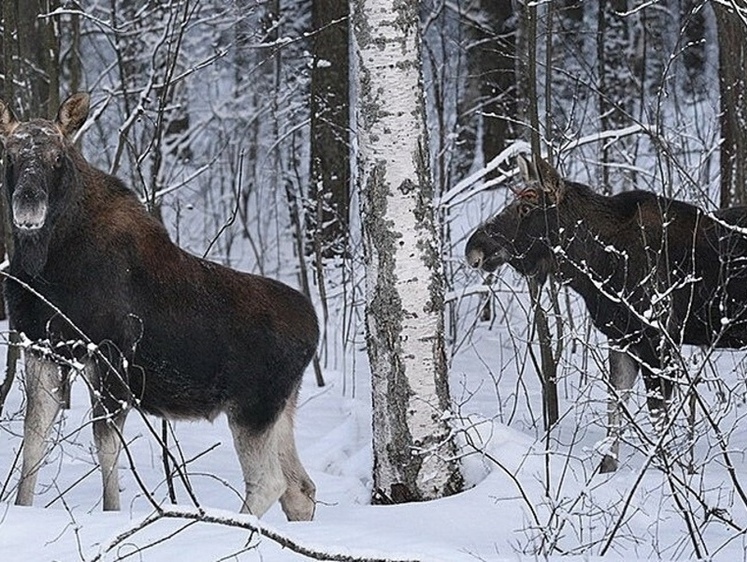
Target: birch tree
[[413, 448]]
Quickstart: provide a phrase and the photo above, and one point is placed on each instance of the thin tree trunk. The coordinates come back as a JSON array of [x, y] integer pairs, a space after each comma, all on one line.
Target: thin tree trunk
[[548, 365], [615, 89], [330, 126], [413, 446], [488, 103], [733, 117]]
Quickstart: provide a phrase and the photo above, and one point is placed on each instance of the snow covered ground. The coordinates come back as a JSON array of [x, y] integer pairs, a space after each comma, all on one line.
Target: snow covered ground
[[523, 504]]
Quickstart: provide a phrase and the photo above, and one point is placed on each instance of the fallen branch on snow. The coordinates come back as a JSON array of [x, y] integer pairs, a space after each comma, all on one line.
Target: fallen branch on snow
[[241, 521]]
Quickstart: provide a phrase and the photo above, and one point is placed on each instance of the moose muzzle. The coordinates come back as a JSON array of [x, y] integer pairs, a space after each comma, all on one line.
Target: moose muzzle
[[29, 207], [482, 252]]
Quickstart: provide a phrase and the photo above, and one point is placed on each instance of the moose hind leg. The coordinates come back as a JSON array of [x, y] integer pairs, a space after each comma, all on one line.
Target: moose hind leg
[[260, 464], [298, 501], [44, 398], [623, 372]]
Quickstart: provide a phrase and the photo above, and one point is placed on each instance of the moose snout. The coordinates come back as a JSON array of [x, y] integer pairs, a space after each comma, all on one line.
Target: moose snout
[[29, 210], [475, 257], [483, 252]]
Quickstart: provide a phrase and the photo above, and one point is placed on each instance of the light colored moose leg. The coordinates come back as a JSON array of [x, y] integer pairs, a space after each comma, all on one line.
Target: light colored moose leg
[[107, 436], [298, 500], [260, 463], [109, 414], [44, 398], [623, 372]]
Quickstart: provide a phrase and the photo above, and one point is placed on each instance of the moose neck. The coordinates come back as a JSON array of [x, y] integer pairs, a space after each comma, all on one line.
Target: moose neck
[[593, 230], [31, 251]]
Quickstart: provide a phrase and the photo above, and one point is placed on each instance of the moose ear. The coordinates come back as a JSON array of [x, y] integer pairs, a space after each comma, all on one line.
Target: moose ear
[[549, 178], [527, 169], [8, 121], [73, 113]]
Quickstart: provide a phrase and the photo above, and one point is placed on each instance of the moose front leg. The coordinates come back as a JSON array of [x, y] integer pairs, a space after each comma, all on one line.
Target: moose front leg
[[258, 453], [109, 414], [44, 397], [107, 436], [623, 373]]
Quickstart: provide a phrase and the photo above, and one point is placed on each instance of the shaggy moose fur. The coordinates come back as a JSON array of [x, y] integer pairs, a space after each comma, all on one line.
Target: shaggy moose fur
[[95, 279], [654, 273]]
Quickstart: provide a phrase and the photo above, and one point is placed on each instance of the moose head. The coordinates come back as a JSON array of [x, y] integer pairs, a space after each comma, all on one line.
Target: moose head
[[40, 173], [525, 231]]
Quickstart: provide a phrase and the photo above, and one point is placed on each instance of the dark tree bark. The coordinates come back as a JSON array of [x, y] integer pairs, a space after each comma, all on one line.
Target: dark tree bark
[[487, 107], [530, 80], [614, 78], [330, 128], [498, 61], [694, 56], [32, 57], [547, 367], [733, 118]]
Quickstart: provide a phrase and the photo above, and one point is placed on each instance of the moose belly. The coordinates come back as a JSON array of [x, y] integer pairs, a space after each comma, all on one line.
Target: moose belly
[[176, 389]]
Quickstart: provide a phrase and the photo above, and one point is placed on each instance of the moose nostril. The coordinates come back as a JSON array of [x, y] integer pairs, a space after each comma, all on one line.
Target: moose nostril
[[29, 210], [474, 258]]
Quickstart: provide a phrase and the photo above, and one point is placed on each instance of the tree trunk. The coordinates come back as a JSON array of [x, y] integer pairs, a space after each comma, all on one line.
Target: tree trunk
[[330, 126], [413, 448], [615, 89], [694, 55], [487, 106], [733, 119], [548, 366]]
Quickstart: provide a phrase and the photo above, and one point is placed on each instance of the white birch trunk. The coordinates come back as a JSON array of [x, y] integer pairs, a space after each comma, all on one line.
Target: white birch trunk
[[413, 448]]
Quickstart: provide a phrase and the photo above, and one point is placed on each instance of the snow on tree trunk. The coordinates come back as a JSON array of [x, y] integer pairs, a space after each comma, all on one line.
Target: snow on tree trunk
[[413, 446]]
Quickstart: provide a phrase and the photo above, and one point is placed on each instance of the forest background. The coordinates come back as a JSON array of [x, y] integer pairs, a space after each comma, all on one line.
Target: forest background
[[233, 121]]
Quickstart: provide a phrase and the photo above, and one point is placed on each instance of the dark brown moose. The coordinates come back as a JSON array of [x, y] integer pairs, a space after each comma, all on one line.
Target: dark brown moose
[[654, 273], [95, 280]]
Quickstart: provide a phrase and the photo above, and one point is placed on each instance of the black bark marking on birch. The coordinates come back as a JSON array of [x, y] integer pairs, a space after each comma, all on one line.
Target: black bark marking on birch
[[407, 16], [386, 313], [430, 254], [361, 28]]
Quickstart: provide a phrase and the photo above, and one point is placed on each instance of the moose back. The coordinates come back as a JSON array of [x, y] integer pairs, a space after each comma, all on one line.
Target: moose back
[[94, 279], [654, 273]]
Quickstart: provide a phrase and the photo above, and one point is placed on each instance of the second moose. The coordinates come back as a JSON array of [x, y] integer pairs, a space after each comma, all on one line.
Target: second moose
[[654, 273]]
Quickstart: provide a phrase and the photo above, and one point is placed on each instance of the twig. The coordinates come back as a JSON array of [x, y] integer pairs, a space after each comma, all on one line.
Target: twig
[[10, 472]]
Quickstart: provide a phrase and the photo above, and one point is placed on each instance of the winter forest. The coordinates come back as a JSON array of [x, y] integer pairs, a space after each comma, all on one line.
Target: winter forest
[[350, 150]]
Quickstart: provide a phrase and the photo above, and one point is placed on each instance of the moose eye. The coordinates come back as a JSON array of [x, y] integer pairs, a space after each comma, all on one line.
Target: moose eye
[[57, 160]]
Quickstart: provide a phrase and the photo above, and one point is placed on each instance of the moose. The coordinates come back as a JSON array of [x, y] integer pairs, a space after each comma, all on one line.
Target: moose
[[94, 280], [653, 272]]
